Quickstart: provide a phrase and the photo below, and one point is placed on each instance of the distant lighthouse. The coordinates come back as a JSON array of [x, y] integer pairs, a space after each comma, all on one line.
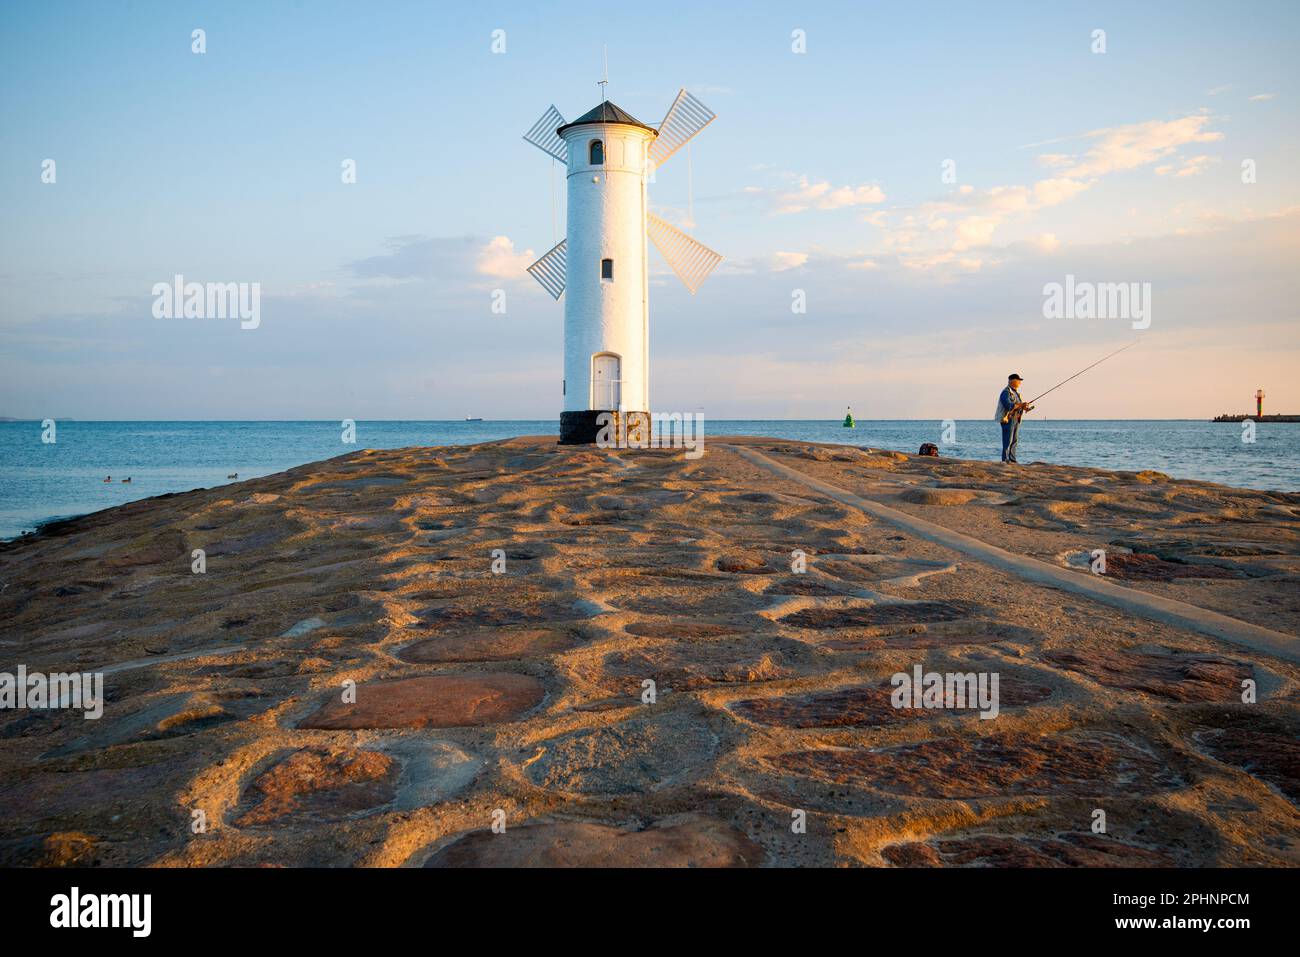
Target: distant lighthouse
[[1259, 402], [610, 156]]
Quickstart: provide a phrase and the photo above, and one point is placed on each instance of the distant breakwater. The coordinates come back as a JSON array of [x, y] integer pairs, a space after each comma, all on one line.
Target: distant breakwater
[[1256, 418]]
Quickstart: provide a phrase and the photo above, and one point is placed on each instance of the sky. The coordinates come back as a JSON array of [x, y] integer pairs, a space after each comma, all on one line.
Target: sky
[[916, 174]]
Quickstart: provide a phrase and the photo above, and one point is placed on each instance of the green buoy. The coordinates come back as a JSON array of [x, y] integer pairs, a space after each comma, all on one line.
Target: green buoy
[[848, 418]]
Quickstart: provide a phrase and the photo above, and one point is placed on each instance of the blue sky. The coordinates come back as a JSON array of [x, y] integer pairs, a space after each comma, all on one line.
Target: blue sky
[[822, 173]]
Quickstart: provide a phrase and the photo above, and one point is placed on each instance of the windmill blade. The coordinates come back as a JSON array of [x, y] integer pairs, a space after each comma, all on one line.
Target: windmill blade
[[691, 260], [542, 135], [686, 117], [549, 270]]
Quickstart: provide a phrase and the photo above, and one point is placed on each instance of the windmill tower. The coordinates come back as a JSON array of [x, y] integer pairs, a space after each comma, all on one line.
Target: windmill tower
[[601, 264]]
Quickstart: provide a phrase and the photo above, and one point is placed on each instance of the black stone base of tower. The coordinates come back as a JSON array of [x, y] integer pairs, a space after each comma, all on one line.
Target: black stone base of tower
[[582, 428]]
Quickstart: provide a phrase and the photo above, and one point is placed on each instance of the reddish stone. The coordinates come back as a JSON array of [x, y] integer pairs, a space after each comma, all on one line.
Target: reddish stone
[[1260, 746], [993, 766], [696, 842], [991, 850], [317, 784], [744, 565], [684, 668], [492, 614], [1140, 566], [1177, 676], [920, 636], [868, 705], [437, 701], [799, 585], [882, 614], [61, 849], [679, 629]]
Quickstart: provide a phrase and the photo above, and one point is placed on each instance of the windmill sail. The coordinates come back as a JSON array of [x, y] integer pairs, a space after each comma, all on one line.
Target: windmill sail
[[549, 270], [542, 135], [686, 117], [691, 260]]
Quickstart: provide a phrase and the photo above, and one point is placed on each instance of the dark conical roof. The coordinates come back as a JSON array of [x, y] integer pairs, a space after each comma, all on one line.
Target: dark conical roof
[[607, 112]]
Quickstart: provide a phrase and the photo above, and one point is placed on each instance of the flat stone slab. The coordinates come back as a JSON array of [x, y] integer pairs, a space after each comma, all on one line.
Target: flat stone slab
[[1140, 566], [490, 644], [680, 629], [744, 564], [628, 758], [935, 635], [696, 842], [1078, 764], [495, 614], [1262, 747], [435, 701], [318, 784], [995, 850], [689, 667], [889, 613], [940, 496], [800, 585], [678, 597], [1172, 675], [322, 784], [164, 716], [870, 705], [648, 499]]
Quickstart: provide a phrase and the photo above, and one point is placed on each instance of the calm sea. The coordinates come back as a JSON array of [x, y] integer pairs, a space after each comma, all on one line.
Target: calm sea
[[41, 481]]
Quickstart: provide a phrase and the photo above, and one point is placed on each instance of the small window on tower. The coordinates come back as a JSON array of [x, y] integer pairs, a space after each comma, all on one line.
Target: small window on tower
[[607, 269], [597, 151]]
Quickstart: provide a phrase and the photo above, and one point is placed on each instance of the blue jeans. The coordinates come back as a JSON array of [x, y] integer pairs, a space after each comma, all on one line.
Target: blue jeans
[[1010, 436]]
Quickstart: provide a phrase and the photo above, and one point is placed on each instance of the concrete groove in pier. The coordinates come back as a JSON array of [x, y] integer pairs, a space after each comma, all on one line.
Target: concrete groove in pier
[[1155, 607]]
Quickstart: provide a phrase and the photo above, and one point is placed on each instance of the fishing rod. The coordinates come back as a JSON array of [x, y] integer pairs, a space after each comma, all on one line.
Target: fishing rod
[[1025, 406], [1081, 372]]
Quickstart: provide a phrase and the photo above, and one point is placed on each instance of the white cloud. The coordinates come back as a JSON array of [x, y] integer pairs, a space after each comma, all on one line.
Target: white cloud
[[1195, 165], [1261, 97], [1138, 144], [975, 231], [499, 260], [822, 195], [1191, 166], [1050, 192], [781, 261]]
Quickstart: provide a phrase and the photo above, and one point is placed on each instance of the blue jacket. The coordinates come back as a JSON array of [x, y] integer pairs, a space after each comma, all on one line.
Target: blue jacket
[[1006, 402]]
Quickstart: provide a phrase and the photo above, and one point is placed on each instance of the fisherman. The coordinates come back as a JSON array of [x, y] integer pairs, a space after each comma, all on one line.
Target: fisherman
[[1010, 409]]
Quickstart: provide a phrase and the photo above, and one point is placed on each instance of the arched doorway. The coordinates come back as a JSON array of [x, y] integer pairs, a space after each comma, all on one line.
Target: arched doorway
[[606, 381]]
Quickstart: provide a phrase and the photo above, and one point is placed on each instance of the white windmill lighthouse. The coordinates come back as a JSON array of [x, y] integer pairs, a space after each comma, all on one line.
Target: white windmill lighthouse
[[610, 156]]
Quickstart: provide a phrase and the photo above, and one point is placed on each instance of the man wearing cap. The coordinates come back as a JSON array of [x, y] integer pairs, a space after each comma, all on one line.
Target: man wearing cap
[[1010, 408]]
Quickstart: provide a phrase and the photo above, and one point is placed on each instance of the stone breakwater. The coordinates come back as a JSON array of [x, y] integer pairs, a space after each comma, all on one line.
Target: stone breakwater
[[524, 654]]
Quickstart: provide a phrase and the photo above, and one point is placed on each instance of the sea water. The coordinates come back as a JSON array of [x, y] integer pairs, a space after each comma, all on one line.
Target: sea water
[[42, 481]]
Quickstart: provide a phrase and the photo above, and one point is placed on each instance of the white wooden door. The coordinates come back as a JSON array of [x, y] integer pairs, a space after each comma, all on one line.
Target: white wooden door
[[606, 383]]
